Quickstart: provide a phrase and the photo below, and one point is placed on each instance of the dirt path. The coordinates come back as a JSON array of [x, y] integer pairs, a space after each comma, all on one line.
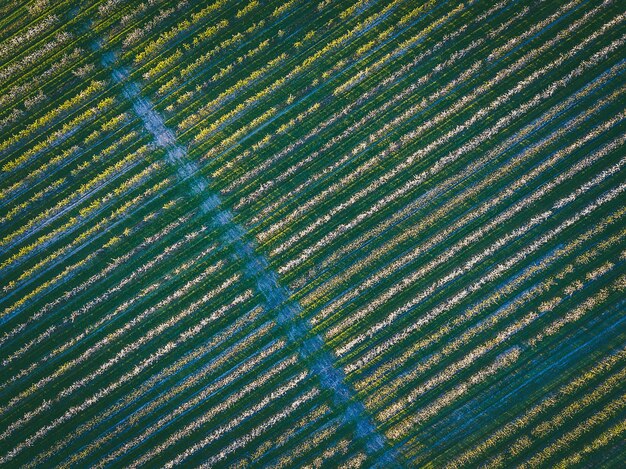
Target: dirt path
[[276, 297]]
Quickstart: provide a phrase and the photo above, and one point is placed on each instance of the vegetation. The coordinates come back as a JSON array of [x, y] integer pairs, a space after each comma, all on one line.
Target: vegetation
[[288, 233]]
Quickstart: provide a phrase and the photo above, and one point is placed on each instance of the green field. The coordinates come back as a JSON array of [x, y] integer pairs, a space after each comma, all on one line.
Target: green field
[[322, 233]]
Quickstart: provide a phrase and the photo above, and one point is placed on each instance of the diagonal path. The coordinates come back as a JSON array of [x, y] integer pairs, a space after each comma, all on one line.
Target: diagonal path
[[276, 297]]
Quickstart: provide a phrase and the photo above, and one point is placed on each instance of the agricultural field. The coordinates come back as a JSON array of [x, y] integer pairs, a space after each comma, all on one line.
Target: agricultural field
[[329, 233]]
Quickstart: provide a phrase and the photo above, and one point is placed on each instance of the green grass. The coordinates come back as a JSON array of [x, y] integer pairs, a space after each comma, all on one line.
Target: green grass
[[330, 234]]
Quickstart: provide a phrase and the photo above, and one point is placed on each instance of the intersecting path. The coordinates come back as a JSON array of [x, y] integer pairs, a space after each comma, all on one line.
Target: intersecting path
[[277, 298]]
